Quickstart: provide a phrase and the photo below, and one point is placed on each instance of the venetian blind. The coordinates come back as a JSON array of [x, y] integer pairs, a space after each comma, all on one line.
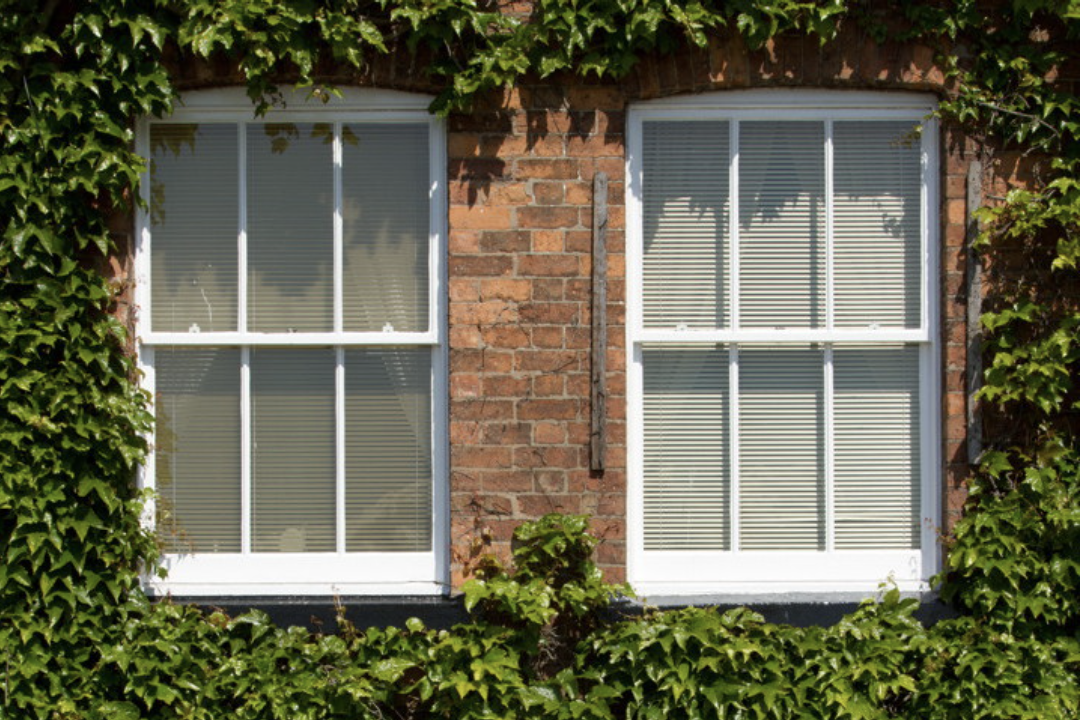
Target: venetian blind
[[385, 209], [877, 271], [194, 263], [388, 450], [876, 426], [686, 259], [687, 471], [781, 458], [290, 227], [782, 256], [293, 483], [197, 444]]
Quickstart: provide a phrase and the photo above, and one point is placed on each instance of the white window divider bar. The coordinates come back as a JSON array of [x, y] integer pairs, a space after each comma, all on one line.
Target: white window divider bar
[[245, 451]]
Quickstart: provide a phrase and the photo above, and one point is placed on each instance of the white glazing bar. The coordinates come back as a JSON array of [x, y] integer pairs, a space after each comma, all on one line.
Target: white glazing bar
[[290, 339], [436, 226], [733, 232], [830, 446], [339, 253], [339, 444], [830, 256], [733, 415], [245, 450], [242, 256], [770, 336], [148, 468]]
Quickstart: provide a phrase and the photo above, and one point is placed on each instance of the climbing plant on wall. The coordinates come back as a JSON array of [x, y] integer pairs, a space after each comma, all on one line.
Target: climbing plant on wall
[[81, 640]]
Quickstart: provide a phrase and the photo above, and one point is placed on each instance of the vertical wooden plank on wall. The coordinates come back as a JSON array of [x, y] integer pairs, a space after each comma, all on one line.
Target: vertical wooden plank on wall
[[974, 311], [597, 437]]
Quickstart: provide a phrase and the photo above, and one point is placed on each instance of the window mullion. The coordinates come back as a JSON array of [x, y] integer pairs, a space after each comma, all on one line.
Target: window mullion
[[339, 252], [242, 249], [829, 244], [829, 451], [339, 444], [733, 232], [733, 414], [245, 450]]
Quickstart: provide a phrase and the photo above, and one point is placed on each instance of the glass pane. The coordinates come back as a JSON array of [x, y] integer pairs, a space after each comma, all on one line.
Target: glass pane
[[292, 451], [194, 223], [782, 224], [876, 232], [687, 456], [388, 482], [877, 465], [781, 440], [685, 204], [290, 220], [197, 445], [385, 210]]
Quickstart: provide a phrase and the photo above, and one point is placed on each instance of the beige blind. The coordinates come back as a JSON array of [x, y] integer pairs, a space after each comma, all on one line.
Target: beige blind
[[197, 444], [388, 450], [781, 440], [876, 426], [290, 216], [385, 209], [876, 224], [687, 458], [293, 484], [194, 220], [686, 259], [782, 256]]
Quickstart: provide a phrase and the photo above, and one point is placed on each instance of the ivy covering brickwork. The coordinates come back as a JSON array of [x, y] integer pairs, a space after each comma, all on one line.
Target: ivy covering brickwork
[[83, 642]]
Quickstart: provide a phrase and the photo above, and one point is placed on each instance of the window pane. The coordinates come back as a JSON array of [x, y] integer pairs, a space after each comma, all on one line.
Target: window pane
[[388, 450], [781, 437], [385, 209], [781, 224], [194, 220], [877, 464], [290, 216], [687, 464], [197, 444], [685, 196], [876, 224], [292, 450]]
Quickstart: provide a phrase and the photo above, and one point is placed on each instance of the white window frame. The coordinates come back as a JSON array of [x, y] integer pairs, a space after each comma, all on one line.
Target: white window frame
[[743, 573], [325, 573]]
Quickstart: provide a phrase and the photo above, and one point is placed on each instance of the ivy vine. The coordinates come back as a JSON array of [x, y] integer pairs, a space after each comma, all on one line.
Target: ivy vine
[[81, 640]]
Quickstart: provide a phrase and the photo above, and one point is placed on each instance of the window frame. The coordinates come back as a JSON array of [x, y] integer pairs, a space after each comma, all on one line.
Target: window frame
[[248, 573], [763, 573]]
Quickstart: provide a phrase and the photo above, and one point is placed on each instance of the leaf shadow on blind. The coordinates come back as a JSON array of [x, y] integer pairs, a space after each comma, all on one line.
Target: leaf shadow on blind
[[685, 195], [877, 224]]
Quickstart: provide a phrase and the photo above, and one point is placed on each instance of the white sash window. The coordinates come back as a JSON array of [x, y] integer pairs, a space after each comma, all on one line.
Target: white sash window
[[290, 323], [782, 326]]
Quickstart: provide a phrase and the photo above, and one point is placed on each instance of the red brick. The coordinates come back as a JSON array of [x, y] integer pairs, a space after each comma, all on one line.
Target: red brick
[[506, 336], [552, 169], [547, 360], [546, 217], [505, 386], [482, 265], [478, 217], [465, 456], [547, 409], [549, 265], [535, 506], [505, 289], [548, 385]]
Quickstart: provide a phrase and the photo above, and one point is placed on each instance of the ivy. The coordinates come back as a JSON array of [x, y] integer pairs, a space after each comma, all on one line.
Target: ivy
[[82, 641]]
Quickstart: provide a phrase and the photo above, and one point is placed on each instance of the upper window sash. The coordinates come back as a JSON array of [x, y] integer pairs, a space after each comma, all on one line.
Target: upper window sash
[[354, 112], [736, 109]]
